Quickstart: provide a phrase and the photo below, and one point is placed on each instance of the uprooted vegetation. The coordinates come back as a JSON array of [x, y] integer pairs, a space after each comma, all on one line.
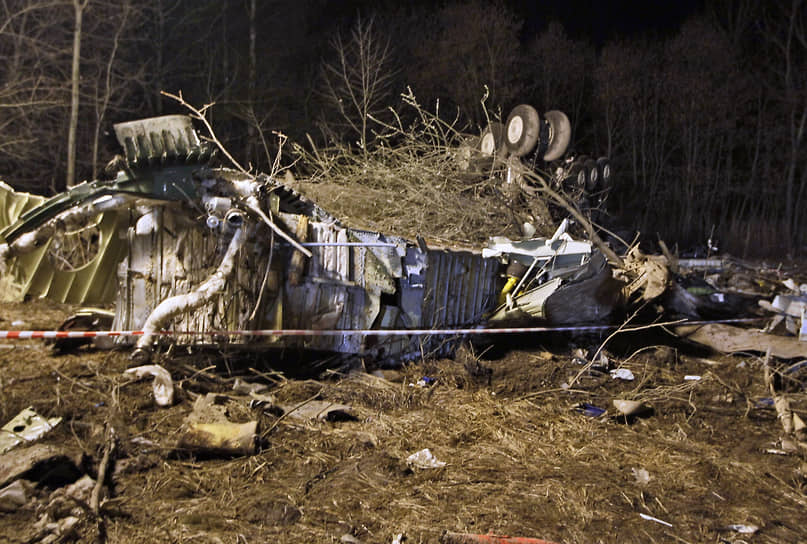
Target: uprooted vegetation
[[425, 178]]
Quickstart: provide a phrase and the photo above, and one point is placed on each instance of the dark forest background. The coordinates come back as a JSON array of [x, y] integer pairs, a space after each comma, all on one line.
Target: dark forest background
[[703, 117]]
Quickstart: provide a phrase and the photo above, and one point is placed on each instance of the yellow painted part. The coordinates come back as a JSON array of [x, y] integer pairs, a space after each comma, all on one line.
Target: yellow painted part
[[508, 286], [96, 282]]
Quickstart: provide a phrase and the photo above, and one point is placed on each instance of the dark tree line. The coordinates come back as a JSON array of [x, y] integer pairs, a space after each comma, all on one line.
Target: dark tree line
[[705, 125]]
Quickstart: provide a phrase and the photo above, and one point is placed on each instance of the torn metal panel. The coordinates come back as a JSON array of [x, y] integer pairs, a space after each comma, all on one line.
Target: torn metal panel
[[75, 264], [25, 427], [213, 250]]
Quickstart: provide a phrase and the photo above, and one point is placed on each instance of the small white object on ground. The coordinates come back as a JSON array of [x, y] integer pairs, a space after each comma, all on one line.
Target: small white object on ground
[[163, 384], [424, 459], [622, 374], [651, 518]]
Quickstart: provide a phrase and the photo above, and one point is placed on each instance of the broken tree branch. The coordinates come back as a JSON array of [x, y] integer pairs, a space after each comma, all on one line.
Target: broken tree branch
[[200, 116], [103, 468], [562, 201]]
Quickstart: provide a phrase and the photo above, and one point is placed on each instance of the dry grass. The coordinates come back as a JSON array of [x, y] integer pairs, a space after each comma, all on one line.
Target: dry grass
[[423, 177], [519, 459]]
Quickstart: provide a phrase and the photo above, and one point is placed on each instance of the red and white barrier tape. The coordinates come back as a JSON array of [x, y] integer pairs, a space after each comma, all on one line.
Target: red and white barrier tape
[[363, 332]]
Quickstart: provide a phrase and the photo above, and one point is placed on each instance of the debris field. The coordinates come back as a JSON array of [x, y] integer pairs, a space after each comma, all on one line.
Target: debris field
[[524, 454]]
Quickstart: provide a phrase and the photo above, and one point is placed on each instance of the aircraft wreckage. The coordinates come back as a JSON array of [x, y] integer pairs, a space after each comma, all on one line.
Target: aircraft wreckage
[[181, 246]]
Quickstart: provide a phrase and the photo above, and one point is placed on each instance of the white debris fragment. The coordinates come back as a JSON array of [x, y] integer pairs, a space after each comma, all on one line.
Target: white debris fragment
[[163, 385], [622, 374], [424, 459], [651, 518], [641, 475], [743, 529]]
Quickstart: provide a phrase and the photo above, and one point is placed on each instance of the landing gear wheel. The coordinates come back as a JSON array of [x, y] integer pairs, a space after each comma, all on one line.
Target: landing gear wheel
[[577, 179], [560, 133], [491, 142], [604, 166], [592, 175], [522, 130]]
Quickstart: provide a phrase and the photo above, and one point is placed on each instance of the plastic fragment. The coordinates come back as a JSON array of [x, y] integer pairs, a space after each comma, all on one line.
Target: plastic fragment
[[589, 409], [163, 386]]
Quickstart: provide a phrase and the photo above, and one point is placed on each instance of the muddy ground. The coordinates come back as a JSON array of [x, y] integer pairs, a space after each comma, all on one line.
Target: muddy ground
[[519, 459]]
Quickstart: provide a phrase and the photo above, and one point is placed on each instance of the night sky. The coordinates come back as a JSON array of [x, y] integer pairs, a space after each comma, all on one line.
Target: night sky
[[592, 20], [598, 20]]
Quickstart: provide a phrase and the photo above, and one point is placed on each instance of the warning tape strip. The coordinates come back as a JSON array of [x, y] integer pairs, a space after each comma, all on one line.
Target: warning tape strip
[[22, 335]]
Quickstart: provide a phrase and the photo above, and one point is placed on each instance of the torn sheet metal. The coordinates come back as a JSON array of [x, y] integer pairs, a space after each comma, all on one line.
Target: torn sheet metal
[[202, 249], [76, 265], [25, 427], [729, 339]]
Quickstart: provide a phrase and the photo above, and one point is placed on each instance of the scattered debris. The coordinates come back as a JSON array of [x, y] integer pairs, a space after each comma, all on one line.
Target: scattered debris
[[219, 438], [207, 430], [38, 463], [25, 427], [631, 408], [163, 386], [730, 339], [15, 495], [589, 409], [651, 518], [742, 528], [641, 475], [318, 409], [424, 459]]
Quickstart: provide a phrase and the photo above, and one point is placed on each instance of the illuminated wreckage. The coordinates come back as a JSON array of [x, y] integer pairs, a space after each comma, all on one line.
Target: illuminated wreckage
[[198, 256]]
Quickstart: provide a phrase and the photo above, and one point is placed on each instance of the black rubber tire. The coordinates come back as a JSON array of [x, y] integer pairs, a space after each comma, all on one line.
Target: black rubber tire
[[560, 133], [491, 142], [592, 175], [577, 178], [604, 166], [522, 130]]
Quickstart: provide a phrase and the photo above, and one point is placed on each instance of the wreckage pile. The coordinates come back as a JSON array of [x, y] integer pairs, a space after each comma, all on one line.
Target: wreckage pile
[[650, 418]]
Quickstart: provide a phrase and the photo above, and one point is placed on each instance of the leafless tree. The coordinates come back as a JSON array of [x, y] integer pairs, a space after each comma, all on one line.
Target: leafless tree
[[75, 74], [357, 82], [458, 50]]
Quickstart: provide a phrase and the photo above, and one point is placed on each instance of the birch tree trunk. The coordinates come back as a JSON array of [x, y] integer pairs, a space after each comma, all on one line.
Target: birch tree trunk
[[79, 6]]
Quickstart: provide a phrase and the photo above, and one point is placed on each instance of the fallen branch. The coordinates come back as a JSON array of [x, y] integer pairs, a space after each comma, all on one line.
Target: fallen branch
[[109, 449], [543, 187]]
